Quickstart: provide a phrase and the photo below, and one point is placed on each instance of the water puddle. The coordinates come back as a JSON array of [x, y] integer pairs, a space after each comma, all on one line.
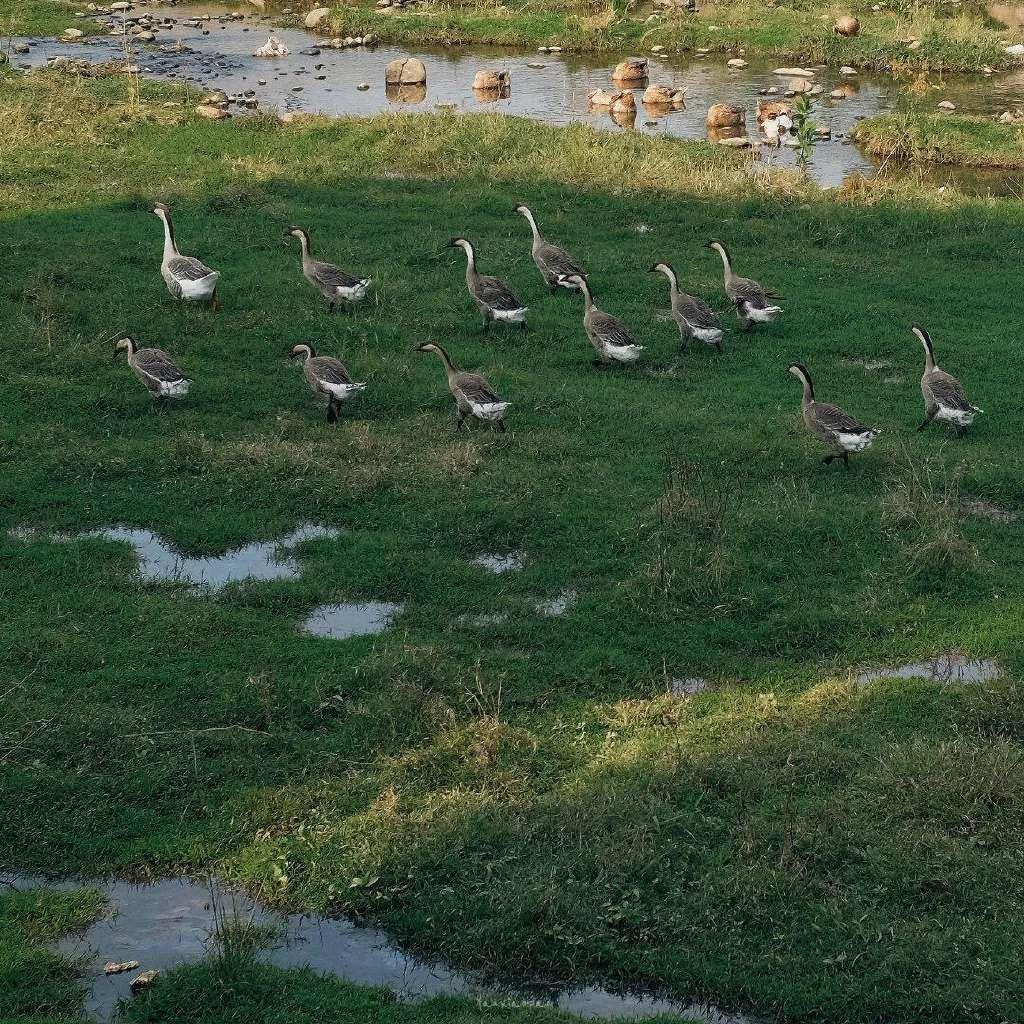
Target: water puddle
[[981, 509], [688, 687], [943, 668], [339, 621], [160, 563], [499, 564], [557, 605], [216, 51], [168, 923]]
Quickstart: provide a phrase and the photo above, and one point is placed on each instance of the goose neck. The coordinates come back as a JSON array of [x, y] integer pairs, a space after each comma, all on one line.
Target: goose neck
[[170, 248]]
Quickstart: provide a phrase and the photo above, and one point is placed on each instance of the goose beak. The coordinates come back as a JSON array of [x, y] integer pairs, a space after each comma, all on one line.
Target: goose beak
[[653, 270]]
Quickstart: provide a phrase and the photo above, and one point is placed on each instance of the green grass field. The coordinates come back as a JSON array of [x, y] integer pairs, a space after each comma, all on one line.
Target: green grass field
[[525, 793], [957, 139], [905, 37]]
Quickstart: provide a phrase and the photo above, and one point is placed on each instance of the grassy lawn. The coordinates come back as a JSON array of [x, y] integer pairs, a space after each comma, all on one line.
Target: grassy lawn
[[943, 139], [41, 18], [526, 792], [36, 985], [905, 36]]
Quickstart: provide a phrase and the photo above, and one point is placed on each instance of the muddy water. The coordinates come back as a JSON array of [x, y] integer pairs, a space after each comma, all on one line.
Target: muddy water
[[548, 87], [172, 922]]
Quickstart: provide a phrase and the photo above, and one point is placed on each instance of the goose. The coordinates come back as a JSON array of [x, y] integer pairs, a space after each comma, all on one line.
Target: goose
[[187, 278], [632, 69], [611, 341], [944, 396], [493, 297], [326, 375], [696, 319], [155, 368], [333, 283], [833, 425], [473, 395], [749, 297], [553, 262]]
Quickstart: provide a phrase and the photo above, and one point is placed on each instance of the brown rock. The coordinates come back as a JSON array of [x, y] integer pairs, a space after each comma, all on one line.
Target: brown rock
[[664, 96], [632, 70], [723, 115], [847, 25], [144, 980], [492, 81], [211, 113], [115, 968], [406, 71]]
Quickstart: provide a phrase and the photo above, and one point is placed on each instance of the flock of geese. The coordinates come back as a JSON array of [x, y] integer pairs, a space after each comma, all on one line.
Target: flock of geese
[[190, 280]]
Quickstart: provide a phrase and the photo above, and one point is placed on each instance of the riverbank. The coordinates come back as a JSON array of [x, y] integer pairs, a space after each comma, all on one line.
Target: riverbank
[[642, 754], [904, 40], [953, 139]]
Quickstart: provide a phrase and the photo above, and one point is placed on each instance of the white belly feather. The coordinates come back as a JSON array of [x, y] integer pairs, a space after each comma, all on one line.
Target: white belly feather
[[490, 411], [761, 316], [510, 316], [856, 442], [341, 391]]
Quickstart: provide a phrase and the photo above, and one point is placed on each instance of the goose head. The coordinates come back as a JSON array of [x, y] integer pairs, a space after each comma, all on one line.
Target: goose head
[[296, 232], [161, 210], [126, 345], [305, 350], [922, 336], [663, 268], [800, 372], [461, 243], [426, 346]]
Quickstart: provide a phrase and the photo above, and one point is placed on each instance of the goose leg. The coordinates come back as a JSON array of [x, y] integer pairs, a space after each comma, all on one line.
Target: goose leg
[[718, 347], [828, 460], [928, 417], [214, 302], [332, 411], [499, 426], [846, 459], [331, 306]]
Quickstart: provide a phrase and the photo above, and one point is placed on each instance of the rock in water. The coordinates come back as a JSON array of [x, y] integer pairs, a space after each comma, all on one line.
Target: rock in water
[[316, 16], [406, 71]]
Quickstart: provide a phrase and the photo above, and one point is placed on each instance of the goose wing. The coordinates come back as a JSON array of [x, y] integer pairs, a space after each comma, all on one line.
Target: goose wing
[[158, 365], [187, 268], [327, 275], [947, 391], [475, 389], [838, 421], [749, 292], [557, 261], [495, 293], [610, 330], [697, 313], [329, 370]]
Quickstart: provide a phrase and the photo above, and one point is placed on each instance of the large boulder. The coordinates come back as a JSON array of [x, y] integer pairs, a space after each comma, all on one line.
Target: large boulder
[[847, 25], [724, 115], [634, 69], [492, 81], [406, 71], [316, 16]]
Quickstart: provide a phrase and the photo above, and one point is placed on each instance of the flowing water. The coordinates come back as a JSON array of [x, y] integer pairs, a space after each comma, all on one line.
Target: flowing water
[[167, 923], [217, 53]]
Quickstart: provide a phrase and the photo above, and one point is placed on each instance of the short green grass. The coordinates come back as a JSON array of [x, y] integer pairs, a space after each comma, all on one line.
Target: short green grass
[[37, 986], [965, 140], [904, 37], [41, 18], [523, 794]]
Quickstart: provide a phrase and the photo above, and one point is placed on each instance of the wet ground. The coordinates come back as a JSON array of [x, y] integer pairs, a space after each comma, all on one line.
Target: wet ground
[[943, 668], [171, 922], [353, 618], [217, 52], [160, 563]]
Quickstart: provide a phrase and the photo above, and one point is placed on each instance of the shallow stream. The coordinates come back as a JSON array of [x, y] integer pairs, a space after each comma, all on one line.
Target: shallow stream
[[214, 48]]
